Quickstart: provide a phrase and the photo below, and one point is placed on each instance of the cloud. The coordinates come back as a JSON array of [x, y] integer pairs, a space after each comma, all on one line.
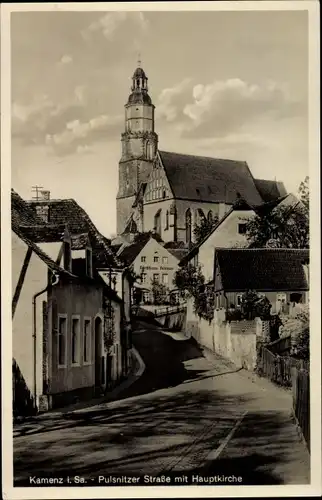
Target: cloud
[[78, 135], [82, 119], [66, 59], [108, 24], [171, 101], [224, 108]]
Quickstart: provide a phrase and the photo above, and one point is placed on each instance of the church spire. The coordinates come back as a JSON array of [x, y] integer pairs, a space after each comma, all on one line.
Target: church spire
[[139, 80]]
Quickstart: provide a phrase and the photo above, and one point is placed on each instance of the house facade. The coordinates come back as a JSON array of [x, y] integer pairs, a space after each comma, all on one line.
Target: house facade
[[152, 262], [67, 335], [280, 274], [170, 193], [229, 232]]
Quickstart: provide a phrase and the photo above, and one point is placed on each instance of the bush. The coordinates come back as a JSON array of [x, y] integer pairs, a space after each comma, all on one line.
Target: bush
[[234, 315]]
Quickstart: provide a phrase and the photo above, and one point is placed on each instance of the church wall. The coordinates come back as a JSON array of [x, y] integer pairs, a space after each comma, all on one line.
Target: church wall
[[183, 205], [150, 209], [123, 212], [127, 178]]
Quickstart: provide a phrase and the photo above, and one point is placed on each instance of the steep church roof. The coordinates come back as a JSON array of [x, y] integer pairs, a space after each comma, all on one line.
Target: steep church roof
[[270, 190], [207, 179]]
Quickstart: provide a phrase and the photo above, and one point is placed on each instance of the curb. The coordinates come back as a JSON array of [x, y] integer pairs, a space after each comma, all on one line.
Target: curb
[[266, 384], [109, 397], [130, 380]]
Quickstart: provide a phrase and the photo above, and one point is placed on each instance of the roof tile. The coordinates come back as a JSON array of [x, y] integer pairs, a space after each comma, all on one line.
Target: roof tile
[[262, 269]]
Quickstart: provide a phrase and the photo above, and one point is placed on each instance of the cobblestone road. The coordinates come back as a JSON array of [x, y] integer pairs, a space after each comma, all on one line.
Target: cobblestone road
[[187, 414]]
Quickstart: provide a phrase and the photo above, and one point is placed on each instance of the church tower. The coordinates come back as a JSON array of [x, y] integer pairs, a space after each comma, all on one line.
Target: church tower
[[139, 146]]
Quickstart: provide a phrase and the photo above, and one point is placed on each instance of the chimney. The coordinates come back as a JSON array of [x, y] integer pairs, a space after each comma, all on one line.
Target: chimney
[[42, 209]]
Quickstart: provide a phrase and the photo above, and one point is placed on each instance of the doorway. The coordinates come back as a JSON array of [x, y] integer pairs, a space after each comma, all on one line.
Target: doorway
[[98, 353]]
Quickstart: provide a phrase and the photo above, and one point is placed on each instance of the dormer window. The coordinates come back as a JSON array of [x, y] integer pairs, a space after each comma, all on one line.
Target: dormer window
[[43, 212], [89, 262]]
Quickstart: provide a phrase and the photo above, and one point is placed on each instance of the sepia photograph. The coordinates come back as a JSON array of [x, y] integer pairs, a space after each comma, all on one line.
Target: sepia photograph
[[160, 221]]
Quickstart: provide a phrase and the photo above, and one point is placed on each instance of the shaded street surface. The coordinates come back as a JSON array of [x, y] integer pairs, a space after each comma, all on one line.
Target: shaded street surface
[[186, 415]]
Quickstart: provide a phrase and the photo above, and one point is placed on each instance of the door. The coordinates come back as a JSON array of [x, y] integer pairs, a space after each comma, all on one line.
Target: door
[[98, 352]]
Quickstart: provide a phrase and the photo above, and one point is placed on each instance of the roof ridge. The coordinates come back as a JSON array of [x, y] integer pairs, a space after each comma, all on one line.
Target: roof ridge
[[262, 249], [202, 156]]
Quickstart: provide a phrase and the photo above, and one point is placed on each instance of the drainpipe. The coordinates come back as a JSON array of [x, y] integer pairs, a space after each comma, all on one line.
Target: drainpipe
[[34, 334]]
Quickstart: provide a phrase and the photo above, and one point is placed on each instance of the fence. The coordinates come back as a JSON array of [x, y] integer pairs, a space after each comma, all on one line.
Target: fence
[[281, 345], [301, 401], [290, 372], [278, 368]]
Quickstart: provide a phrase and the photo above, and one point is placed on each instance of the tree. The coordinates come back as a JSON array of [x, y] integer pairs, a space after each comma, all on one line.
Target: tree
[[282, 227], [160, 293], [302, 347], [249, 300], [304, 192], [204, 228], [189, 279]]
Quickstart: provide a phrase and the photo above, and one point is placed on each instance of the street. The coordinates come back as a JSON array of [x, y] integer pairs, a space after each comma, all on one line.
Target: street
[[186, 415]]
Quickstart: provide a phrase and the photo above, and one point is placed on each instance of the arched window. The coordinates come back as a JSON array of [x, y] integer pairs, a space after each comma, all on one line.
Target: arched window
[[188, 225], [149, 150], [210, 216], [157, 222], [200, 215], [167, 220]]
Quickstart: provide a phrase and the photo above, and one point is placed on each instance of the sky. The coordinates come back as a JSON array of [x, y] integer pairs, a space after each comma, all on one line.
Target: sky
[[225, 84]]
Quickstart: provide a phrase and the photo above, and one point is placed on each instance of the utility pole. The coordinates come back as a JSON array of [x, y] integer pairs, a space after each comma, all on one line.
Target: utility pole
[[37, 190]]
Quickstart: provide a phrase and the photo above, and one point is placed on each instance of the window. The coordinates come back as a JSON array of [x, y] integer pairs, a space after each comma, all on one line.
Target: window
[[87, 341], [143, 258], [156, 278], [89, 270], [164, 260], [242, 228], [156, 258], [143, 277], [75, 341], [157, 222], [165, 279], [62, 330], [296, 297], [201, 215], [239, 299], [188, 226], [146, 297], [281, 297], [167, 220]]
